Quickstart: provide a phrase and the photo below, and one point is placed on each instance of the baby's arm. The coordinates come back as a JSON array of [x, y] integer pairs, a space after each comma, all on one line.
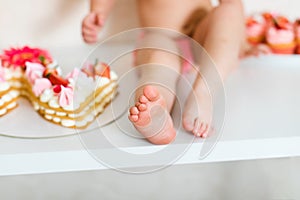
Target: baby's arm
[[95, 19]]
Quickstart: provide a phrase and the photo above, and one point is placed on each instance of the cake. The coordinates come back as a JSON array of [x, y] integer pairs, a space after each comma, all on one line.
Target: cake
[[297, 35], [72, 101], [255, 29], [280, 36]]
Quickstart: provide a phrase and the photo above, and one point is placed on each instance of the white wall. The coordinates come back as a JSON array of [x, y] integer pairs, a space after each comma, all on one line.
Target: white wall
[[57, 22], [290, 8]]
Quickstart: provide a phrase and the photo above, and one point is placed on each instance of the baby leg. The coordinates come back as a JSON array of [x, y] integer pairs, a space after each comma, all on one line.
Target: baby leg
[[157, 86], [158, 73], [221, 33]]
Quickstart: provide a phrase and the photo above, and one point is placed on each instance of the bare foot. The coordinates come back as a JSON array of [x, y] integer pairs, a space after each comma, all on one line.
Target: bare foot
[[197, 113], [151, 118]]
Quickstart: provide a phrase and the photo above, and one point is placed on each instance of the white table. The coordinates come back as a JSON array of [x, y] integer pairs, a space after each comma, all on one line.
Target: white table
[[262, 121]]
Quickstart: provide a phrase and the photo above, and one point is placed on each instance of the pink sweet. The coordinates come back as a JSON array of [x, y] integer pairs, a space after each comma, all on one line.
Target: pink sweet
[[34, 71], [40, 85], [66, 96], [280, 36], [297, 33], [297, 30], [255, 30]]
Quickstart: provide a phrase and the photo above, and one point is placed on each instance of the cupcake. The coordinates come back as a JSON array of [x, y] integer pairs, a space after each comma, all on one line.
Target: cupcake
[[269, 17], [280, 36], [297, 35], [255, 29]]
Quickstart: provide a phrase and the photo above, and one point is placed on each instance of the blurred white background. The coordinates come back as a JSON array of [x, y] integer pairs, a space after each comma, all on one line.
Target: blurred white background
[[57, 23]]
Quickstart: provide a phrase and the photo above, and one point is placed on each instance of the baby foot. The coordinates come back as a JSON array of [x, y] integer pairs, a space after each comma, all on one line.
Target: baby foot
[[151, 118], [197, 113]]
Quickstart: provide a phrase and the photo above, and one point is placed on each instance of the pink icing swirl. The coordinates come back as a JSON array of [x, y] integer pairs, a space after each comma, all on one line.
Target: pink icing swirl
[[280, 36], [40, 84], [255, 30], [66, 96], [34, 71], [256, 26], [298, 32]]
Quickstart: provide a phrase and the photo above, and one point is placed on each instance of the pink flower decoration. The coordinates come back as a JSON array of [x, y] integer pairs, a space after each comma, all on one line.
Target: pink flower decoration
[[34, 71], [17, 57], [66, 96], [40, 85]]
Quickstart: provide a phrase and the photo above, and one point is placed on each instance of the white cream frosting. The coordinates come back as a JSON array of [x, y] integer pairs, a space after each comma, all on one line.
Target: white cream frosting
[[8, 107], [56, 119], [53, 103], [13, 73], [46, 95], [53, 65], [49, 111], [15, 84], [68, 122], [4, 86], [36, 106], [11, 105], [3, 111], [7, 97], [14, 93], [61, 114]]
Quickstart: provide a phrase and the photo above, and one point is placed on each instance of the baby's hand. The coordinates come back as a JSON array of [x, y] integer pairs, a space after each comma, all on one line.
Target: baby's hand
[[91, 26]]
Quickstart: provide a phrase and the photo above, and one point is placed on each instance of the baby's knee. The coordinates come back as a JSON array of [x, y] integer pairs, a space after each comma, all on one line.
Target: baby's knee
[[233, 9], [237, 4]]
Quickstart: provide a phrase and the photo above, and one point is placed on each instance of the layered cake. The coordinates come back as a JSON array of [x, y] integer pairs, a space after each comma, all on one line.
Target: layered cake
[[73, 101]]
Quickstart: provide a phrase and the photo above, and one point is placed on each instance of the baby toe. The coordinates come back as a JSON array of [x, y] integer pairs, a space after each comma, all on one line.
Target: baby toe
[[204, 130], [197, 127], [151, 93], [142, 107], [134, 110], [133, 118], [143, 99]]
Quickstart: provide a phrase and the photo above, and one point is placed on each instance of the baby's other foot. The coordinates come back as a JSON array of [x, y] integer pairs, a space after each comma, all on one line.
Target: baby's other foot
[[197, 113]]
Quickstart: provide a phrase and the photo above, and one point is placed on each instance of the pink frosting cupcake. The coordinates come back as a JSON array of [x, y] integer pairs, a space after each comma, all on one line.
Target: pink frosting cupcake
[[297, 33], [255, 29], [281, 36]]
